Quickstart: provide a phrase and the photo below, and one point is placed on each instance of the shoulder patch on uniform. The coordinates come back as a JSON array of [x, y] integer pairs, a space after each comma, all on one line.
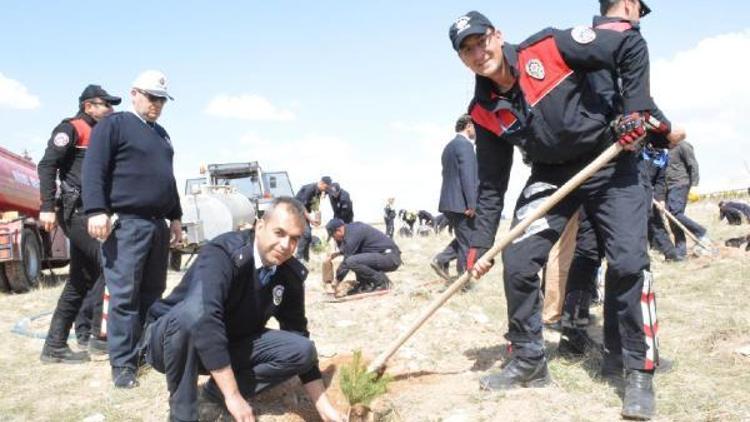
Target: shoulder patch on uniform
[[535, 69], [61, 139], [583, 34]]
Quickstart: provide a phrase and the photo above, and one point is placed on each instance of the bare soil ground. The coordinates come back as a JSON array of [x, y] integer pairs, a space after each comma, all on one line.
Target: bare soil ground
[[703, 315]]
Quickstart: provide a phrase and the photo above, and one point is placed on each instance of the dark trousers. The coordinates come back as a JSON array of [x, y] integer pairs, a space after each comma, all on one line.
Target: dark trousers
[[89, 317], [258, 362], [676, 203], [86, 281], [303, 246], [370, 268], [614, 201], [459, 247], [657, 233], [581, 283], [389, 227], [135, 266]]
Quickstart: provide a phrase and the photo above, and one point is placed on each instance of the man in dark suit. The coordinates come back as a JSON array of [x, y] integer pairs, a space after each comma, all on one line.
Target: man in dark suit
[[458, 195]]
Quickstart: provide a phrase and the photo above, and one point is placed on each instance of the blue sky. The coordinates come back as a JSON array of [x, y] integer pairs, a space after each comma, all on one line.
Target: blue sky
[[366, 92]]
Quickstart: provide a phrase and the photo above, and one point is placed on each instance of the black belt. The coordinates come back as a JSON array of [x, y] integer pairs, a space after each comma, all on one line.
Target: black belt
[[131, 216]]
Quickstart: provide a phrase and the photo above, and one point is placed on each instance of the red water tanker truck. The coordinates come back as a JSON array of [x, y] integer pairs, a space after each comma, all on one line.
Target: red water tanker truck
[[25, 248]]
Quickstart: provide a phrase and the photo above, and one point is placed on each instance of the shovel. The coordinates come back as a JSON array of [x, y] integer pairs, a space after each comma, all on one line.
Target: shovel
[[378, 365], [674, 220]]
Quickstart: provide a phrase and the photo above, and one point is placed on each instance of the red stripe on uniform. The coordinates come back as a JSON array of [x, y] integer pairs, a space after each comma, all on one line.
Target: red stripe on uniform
[[555, 70], [647, 297], [648, 365]]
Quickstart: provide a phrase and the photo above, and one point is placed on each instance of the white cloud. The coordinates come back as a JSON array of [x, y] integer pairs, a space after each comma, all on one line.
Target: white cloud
[[702, 90], [247, 107], [14, 94]]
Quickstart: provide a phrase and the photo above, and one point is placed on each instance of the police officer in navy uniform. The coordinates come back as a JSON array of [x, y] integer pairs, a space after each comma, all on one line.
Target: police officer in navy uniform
[[341, 203], [309, 196], [620, 16], [535, 96], [63, 159], [389, 215], [214, 322], [128, 177], [367, 252]]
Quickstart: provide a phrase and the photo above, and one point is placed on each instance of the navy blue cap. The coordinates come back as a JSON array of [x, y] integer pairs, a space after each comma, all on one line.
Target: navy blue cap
[[334, 224], [326, 179], [334, 189], [96, 91], [472, 23]]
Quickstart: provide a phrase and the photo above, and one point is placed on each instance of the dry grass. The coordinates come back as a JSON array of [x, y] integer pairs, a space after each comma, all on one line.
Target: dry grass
[[702, 310]]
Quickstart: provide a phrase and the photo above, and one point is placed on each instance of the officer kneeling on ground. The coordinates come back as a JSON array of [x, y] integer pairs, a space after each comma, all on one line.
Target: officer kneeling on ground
[[367, 251], [214, 322]]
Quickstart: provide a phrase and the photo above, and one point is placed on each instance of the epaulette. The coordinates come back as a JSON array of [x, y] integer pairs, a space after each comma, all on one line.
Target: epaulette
[[539, 36]]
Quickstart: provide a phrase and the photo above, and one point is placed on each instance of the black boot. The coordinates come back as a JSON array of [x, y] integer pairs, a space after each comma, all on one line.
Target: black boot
[[574, 342], [62, 355], [56, 348], [518, 373], [440, 269], [639, 402]]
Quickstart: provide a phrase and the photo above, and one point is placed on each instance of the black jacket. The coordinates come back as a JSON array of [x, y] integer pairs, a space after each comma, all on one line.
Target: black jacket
[[342, 206], [232, 304], [63, 158], [459, 189], [552, 112], [363, 238], [307, 195]]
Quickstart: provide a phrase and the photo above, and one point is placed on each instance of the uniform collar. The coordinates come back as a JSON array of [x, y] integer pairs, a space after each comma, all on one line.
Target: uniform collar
[[257, 261], [86, 118], [149, 124], [600, 20], [485, 90]]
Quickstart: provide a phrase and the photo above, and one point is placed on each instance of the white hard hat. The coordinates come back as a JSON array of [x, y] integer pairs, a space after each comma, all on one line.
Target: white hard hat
[[152, 82]]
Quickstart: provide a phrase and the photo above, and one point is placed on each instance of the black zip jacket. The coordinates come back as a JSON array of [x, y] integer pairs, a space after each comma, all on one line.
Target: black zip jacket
[[552, 113]]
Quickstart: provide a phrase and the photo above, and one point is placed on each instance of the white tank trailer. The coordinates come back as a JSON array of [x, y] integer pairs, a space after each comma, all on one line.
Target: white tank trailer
[[207, 212]]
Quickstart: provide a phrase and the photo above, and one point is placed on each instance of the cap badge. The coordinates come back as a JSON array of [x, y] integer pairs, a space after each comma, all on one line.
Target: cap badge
[[535, 69], [583, 34], [162, 81], [278, 295], [462, 24]]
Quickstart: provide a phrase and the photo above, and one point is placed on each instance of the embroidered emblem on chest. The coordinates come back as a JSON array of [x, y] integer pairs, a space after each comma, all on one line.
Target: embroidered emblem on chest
[[535, 69]]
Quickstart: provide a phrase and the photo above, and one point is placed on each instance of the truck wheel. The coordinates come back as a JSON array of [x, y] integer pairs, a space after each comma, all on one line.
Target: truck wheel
[[25, 274], [4, 285], [175, 260]]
